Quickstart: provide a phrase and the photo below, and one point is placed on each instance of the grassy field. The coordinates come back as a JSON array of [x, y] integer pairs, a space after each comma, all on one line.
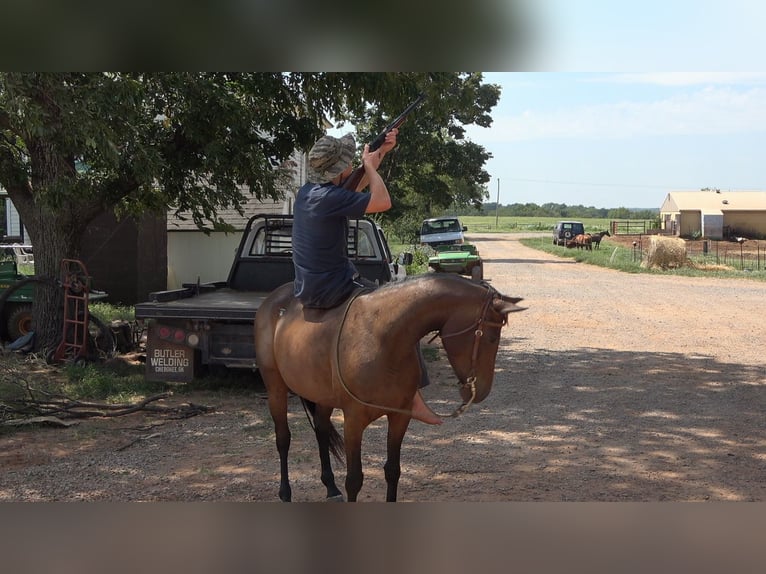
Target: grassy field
[[629, 260], [485, 223]]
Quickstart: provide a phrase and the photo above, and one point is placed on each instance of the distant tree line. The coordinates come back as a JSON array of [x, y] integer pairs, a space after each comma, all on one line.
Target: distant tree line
[[561, 210]]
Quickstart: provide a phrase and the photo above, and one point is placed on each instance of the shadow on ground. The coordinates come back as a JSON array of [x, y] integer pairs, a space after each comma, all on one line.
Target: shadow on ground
[[594, 424]]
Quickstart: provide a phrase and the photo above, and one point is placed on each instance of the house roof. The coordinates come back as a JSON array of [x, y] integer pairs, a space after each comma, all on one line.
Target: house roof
[[714, 201]]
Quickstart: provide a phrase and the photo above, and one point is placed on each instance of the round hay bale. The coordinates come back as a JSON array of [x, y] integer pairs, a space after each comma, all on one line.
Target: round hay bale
[[665, 253]]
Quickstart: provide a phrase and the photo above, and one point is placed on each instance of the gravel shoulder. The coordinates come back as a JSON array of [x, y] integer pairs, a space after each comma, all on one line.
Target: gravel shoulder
[[609, 387]]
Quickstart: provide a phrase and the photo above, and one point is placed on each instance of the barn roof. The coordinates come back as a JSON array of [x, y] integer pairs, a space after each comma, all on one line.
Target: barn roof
[[714, 201]]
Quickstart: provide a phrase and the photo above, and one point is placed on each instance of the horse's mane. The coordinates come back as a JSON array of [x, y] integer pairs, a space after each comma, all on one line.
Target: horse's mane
[[426, 278]]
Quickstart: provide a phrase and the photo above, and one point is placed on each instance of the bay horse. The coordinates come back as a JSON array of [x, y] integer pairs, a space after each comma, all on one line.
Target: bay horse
[[582, 241], [362, 357], [597, 237]]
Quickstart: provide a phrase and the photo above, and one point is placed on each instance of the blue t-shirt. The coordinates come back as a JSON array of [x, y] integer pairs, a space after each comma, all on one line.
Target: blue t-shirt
[[323, 271]]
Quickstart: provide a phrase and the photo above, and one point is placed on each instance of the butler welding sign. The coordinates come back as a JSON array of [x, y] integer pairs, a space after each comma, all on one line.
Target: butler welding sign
[[168, 357]]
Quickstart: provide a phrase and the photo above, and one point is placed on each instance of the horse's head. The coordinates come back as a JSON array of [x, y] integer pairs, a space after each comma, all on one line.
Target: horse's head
[[471, 342]]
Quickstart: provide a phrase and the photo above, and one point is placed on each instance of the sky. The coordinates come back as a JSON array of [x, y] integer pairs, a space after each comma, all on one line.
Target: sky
[[623, 139], [631, 100]]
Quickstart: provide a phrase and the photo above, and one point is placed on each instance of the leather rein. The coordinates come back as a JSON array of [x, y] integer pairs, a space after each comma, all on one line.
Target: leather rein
[[476, 327], [478, 333]]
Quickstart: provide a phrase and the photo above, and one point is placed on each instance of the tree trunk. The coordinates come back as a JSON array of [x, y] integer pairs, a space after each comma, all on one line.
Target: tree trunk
[[51, 245], [55, 235]]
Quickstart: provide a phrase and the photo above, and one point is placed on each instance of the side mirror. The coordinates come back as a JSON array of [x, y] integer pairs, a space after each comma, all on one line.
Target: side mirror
[[405, 259], [465, 228]]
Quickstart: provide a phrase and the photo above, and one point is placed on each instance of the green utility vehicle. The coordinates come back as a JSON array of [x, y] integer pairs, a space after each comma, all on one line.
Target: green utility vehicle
[[16, 313], [462, 259]]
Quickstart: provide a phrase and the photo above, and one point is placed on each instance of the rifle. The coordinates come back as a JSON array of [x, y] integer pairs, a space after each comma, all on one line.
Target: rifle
[[352, 181]]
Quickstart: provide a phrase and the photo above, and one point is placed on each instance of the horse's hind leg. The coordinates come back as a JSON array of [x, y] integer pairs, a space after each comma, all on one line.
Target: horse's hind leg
[[277, 391], [397, 427], [324, 430]]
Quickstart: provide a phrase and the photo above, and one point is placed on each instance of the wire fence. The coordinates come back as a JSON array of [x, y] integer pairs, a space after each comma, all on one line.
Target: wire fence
[[746, 256]]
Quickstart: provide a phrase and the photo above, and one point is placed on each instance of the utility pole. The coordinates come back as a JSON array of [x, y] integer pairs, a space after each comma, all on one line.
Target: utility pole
[[497, 205]]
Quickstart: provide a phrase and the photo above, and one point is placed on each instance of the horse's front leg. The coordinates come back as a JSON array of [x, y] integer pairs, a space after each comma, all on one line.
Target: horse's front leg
[[324, 431], [352, 434], [278, 408], [397, 427]]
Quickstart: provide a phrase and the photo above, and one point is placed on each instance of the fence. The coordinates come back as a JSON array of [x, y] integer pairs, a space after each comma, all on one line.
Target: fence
[[743, 256], [630, 226]]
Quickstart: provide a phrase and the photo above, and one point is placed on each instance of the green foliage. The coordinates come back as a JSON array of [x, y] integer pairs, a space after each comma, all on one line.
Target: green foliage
[[75, 145], [564, 211], [107, 312], [420, 255]]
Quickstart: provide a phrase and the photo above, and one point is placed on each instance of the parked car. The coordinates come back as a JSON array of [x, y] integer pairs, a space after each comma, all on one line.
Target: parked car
[[565, 230], [442, 231]]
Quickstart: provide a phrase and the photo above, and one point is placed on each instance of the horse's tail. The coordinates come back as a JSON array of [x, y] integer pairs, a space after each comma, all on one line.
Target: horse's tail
[[336, 444]]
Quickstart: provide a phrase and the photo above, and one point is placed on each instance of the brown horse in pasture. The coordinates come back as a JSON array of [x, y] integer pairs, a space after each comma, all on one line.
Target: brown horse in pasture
[[582, 241], [362, 358]]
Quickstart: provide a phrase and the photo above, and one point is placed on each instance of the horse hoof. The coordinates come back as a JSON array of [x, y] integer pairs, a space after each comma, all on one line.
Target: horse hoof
[[336, 498]]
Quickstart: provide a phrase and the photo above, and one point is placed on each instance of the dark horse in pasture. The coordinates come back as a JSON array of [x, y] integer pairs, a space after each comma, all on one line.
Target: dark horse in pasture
[[362, 357], [596, 238]]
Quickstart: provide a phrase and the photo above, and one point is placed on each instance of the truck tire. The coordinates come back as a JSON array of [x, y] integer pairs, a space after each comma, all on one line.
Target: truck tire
[[19, 322]]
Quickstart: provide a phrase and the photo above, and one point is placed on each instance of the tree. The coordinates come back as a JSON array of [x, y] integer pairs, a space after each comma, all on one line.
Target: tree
[[75, 145]]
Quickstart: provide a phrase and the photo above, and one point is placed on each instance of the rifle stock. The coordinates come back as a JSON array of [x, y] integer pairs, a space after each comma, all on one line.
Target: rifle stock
[[353, 180]]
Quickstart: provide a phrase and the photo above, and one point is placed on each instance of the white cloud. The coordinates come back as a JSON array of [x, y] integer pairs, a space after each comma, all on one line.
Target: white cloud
[[710, 110]]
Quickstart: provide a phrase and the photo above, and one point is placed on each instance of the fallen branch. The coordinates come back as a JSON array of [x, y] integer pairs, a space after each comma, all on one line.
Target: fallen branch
[[55, 421], [70, 408]]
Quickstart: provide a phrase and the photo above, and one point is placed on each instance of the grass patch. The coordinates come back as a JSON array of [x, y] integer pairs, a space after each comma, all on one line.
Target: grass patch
[[107, 312], [628, 260], [513, 224], [114, 382]]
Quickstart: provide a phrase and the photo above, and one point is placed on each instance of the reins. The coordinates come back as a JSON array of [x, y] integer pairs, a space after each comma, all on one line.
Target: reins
[[470, 382], [337, 361]]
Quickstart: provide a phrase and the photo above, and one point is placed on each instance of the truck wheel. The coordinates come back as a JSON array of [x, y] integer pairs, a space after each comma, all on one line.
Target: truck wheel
[[19, 322], [477, 273]]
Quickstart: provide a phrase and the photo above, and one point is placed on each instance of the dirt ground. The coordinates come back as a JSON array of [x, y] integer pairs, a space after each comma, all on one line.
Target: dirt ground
[[609, 387]]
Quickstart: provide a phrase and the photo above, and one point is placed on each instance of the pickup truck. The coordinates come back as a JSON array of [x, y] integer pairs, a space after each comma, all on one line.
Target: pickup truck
[[202, 325]]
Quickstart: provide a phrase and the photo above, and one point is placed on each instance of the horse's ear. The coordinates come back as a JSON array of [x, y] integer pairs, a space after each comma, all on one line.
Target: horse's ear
[[505, 305]]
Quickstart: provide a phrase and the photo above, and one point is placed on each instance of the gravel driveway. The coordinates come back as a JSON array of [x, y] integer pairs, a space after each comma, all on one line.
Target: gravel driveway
[[610, 386]]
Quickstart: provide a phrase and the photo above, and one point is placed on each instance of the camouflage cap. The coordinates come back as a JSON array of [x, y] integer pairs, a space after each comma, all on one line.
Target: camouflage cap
[[329, 157]]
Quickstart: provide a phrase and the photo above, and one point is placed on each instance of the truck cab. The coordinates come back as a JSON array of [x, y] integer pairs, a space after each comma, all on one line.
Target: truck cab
[[442, 231]]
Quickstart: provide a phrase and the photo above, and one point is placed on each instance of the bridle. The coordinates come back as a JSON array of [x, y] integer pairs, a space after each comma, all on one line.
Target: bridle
[[478, 331]]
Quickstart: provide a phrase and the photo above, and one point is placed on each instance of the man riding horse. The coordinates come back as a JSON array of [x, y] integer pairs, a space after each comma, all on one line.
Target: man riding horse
[[325, 277]]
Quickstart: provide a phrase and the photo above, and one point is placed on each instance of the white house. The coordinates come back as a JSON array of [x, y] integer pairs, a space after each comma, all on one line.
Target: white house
[[196, 256]]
